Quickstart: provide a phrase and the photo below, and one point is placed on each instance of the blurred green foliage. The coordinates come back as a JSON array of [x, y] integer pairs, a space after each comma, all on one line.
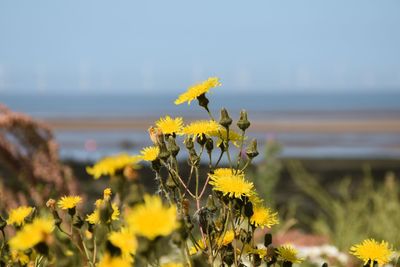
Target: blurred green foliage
[[358, 208], [346, 210]]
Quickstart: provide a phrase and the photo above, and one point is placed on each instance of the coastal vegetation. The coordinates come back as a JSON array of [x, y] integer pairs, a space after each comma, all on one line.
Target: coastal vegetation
[[222, 212]]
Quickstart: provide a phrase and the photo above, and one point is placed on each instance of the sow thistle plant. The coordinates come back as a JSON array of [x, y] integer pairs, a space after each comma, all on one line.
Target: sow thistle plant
[[192, 220]]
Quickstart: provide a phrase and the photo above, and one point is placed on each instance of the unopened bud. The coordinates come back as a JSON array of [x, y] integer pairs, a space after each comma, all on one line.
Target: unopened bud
[[201, 139], [225, 120], [173, 148], [209, 145], [164, 153], [211, 204], [251, 150], [189, 143], [203, 101], [243, 123], [267, 240]]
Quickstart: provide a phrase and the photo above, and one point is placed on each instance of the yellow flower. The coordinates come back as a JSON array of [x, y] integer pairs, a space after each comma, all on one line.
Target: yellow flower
[[231, 184], [109, 261], [255, 199], [152, 218], [197, 128], [263, 217], [197, 90], [234, 137], [370, 249], [262, 252], [226, 239], [150, 153], [124, 240], [94, 217], [172, 264], [110, 165], [288, 253], [194, 249], [107, 193], [69, 202], [17, 216], [32, 234], [19, 256], [168, 125]]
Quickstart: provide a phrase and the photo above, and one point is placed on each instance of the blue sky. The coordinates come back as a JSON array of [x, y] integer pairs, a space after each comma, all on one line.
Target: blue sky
[[163, 46]]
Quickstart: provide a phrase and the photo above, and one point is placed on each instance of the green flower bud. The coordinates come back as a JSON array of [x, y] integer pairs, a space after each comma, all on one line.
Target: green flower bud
[[201, 140], [267, 240], [189, 143], [251, 150], [173, 148], [209, 145], [164, 153], [225, 120], [203, 101], [243, 123]]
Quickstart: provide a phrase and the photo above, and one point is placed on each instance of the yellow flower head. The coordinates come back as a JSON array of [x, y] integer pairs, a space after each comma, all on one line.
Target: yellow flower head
[[110, 165], [19, 256], [17, 216], [168, 125], [231, 184], [32, 234], [226, 239], [150, 153], [172, 264], [109, 261], [197, 128], [94, 217], [370, 249], [107, 193], [124, 240], [197, 90], [263, 217], [222, 135], [69, 202], [288, 253], [152, 218], [194, 249]]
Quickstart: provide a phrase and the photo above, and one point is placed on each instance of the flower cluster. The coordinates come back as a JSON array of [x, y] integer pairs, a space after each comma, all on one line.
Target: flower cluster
[[211, 218]]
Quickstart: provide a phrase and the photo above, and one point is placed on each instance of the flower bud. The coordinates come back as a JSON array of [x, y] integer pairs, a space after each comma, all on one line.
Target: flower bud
[[248, 209], [267, 240], [173, 148], [209, 145], [201, 140], [164, 153], [251, 150], [189, 143], [210, 204], [203, 101], [243, 123], [225, 120]]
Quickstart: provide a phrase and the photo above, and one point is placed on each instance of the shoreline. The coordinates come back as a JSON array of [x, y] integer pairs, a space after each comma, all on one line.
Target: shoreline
[[363, 125]]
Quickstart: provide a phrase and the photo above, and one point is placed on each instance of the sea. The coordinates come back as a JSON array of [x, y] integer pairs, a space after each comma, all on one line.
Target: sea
[[89, 145]]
